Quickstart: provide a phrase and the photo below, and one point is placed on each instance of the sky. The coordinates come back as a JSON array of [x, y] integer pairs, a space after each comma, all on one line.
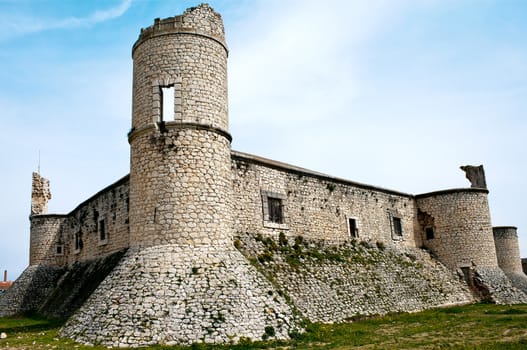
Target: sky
[[396, 94]]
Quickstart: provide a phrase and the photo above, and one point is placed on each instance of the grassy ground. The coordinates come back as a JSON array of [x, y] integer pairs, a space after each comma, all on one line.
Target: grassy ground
[[481, 326]]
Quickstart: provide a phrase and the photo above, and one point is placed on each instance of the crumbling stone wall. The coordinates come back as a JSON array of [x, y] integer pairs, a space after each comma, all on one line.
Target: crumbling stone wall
[[40, 195], [316, 205]]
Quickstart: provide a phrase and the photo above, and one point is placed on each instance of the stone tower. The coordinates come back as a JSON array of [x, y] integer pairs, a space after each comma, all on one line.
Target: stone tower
[[508, 253], [180, 177], [182, 280]]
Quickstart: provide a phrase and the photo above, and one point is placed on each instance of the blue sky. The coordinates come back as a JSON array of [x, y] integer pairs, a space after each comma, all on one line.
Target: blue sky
[[397, 94]]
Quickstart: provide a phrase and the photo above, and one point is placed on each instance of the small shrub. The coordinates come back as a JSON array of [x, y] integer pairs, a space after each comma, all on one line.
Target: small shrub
[[282, 240], [380, 245], [237, 244], [269, 330], [266, 256]]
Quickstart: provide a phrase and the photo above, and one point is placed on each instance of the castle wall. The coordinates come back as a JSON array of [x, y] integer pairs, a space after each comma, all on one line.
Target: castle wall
[[507, 249], [315, 205], [96, 228], [108, 208], [461, 234]]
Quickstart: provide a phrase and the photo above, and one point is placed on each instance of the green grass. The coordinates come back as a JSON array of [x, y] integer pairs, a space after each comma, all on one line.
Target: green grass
[[479, 326]]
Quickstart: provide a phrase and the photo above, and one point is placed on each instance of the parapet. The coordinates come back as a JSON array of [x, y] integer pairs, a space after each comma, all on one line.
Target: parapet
[[200, 20]]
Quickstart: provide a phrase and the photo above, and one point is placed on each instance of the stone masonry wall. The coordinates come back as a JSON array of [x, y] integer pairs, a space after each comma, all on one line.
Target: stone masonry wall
[[105, 211], [44, 233], [167, 54], [180, 179], [336, 283], [315, 205], [507, 249], [173, 294], [182, 188], [40, 195], [462, 229]]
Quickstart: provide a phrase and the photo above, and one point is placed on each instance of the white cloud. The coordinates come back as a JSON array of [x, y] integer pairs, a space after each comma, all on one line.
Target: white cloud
[[15, 25]]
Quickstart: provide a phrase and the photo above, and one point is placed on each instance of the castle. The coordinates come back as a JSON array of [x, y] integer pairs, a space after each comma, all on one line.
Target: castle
[[176, 217]]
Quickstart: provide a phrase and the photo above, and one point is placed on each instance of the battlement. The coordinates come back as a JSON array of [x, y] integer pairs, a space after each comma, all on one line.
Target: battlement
[[200, 20]]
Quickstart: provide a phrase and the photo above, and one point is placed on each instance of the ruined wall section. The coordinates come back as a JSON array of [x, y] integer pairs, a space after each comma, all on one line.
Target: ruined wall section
[[462, 231], [40, 194], [96, 228], [315, 205]]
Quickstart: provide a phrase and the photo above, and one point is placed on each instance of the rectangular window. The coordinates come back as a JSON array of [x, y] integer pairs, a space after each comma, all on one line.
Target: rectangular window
[[77, 241], [275, 210], [58, 249], [167, 103], [352, 226], [397, 227], [102, 230], [429, 232]]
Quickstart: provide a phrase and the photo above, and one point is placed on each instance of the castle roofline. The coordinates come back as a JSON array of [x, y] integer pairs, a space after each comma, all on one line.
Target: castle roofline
[[201, 20], [122, 180], [451, 191], [302, 171]]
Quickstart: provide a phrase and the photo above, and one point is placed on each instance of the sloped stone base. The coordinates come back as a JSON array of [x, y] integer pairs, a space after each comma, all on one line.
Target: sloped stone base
[[496, 286], [181, 295], [335, 283], [30, 290], [518, 280]]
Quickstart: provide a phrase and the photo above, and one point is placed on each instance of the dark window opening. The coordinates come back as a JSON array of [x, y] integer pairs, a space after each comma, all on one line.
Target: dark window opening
[[77, 241], [167, 103], [397, 227], [275, 210], [58, 250], [102, 230], [429, 232], [354, 232]]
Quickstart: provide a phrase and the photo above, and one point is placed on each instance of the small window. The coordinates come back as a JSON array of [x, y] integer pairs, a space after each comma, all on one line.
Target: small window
[[275, 210], [59, 249], [429, 232], [77, 241], [167, 103], [397, 227], [102, 231], [353, 229]]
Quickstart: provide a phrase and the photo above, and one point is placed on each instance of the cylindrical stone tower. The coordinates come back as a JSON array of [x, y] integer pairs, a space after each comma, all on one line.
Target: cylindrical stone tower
[[507, 249], [462, 235], [180, 176]]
